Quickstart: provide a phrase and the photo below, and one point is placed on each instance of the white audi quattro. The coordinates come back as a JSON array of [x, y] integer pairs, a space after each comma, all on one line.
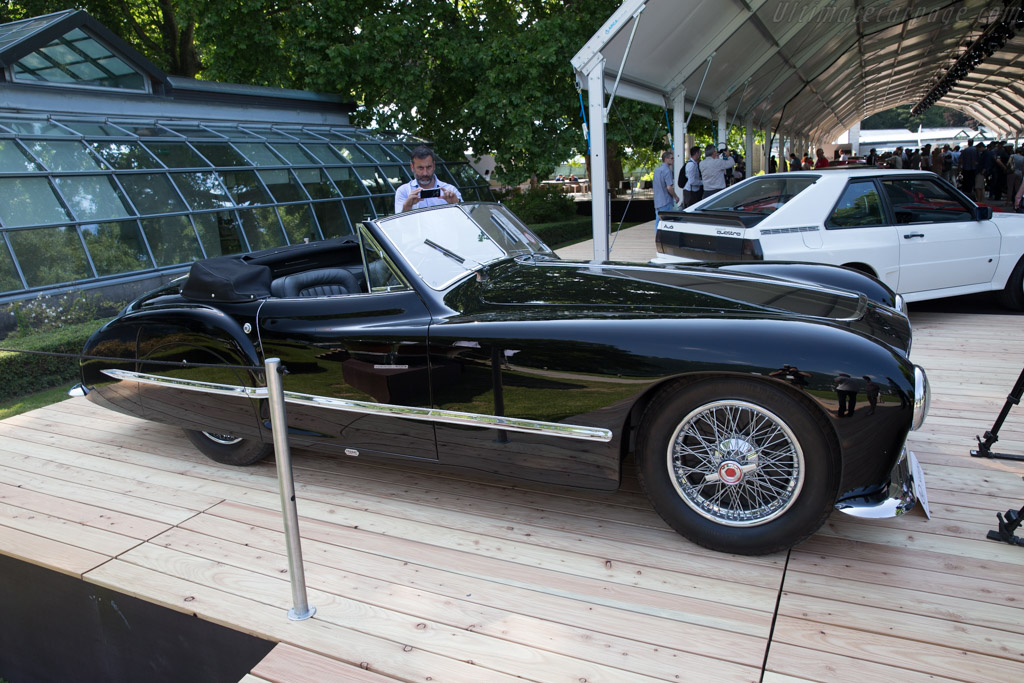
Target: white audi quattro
[[911, 229]]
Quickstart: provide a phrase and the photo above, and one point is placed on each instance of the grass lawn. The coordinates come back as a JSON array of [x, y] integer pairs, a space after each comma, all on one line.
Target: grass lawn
[[33, 401]]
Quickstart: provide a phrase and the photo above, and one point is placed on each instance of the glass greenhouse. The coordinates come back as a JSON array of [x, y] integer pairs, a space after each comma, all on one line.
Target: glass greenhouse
[[88, 198]]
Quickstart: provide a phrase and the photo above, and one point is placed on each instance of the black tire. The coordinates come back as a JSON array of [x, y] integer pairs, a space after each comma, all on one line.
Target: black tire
[[227, 449], [1012, 296], [754, 439]]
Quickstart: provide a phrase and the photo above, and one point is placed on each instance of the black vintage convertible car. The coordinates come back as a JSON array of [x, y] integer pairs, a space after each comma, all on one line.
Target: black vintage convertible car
[[755, 397]]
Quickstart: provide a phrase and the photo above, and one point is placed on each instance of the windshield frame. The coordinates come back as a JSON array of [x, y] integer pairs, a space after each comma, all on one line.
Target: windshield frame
[[443, 245]]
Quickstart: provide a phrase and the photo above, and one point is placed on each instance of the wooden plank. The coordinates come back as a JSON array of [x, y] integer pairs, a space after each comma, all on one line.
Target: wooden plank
[[159, 512], [64, 531], [552, 595], [604, 639], [914, 656], [390, 658], [88, 515], [800, 663], [289, 664], [608, 568], [48, 553]]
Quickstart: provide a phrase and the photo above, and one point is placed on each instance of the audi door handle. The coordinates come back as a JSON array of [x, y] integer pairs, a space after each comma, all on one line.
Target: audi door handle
[[911, 235]]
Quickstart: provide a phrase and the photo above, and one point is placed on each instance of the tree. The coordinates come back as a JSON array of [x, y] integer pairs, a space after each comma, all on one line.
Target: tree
[[489, 75]]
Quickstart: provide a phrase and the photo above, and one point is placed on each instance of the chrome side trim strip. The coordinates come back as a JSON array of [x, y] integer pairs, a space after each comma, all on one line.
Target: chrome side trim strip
[[511, 424]]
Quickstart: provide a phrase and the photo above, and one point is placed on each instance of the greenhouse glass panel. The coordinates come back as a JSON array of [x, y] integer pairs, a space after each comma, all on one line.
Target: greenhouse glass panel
[[77, 58], [116, 247], [234, 133], [466, 176], [148, 130], [376, 152], [125, 156], [373, 180], [23, 127], [193, 132], [220, 233], [442, 173], [298, 223], [316, 182], [347, 181], [202, 190], [384, 206], [333, 222], [262, 228], [359, 210], [400, 152], [95, 130], [152, 193], [64, 155], [283, 186], [172, 240], [13, 159], [177, 155], [50, 256], [259, 154], [29, 201], [352, 154], [270, 134], [325, 153], [93, 197], [395, 175], [9, 280], [293, 153], [221, 154], [246, 188]]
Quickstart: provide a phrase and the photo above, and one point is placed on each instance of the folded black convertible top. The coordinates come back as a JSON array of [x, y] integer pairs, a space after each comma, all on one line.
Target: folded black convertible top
[[228, 279]]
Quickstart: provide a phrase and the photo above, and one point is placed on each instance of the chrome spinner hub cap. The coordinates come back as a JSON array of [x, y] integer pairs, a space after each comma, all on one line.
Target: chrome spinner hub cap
[[736, 463]]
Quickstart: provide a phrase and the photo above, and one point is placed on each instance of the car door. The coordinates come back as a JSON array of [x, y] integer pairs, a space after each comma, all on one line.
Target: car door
[[942, 245], [858, 231], [368, 347]]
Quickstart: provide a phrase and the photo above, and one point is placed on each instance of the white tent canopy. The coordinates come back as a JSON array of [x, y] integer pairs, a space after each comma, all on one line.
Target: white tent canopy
[[809, 69]]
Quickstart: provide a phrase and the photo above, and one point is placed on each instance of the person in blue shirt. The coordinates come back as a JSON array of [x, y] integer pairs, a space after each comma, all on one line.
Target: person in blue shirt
[[424, 189], [665, 198]]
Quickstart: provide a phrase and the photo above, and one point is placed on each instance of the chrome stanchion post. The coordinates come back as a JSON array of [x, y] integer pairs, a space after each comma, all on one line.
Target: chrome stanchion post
[[282, 455]]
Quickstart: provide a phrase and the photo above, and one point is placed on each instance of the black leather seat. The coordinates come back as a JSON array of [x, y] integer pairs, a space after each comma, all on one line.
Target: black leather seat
[[323, 282]]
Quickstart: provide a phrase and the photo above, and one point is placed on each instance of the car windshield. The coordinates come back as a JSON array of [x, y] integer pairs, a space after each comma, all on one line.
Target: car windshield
[[762, 195], [445, 243]]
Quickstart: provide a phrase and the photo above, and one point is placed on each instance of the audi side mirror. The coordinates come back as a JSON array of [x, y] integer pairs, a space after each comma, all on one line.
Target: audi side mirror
[[983, 213]]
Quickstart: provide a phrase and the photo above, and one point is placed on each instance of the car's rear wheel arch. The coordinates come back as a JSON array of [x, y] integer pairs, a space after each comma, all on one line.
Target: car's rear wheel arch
[[1012, 295], [861, 268]]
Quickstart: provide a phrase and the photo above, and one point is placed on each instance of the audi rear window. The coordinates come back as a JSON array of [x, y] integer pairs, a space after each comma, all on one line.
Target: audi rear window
[[762, 195]]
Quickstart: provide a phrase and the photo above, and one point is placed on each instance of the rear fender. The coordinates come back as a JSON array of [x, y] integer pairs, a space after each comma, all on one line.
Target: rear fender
[[196, 337]]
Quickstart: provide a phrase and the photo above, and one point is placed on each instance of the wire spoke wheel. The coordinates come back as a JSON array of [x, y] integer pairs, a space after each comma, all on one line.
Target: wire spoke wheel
[[736, 463]]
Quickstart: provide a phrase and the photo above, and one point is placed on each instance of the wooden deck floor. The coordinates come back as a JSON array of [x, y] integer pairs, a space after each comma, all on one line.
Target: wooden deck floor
[[418, 575]]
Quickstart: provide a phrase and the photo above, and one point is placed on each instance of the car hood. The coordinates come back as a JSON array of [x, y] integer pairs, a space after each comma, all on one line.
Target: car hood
[[573, 289]]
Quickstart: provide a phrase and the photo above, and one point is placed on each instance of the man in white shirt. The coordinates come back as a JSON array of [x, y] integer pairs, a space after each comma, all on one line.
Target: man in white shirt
[[712, 170], [690, 180], [424, 189]]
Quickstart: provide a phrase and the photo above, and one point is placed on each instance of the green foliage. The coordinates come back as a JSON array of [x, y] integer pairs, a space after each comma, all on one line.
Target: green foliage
[[26, 373], [24, 404], [543, 204], [46, 314]]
